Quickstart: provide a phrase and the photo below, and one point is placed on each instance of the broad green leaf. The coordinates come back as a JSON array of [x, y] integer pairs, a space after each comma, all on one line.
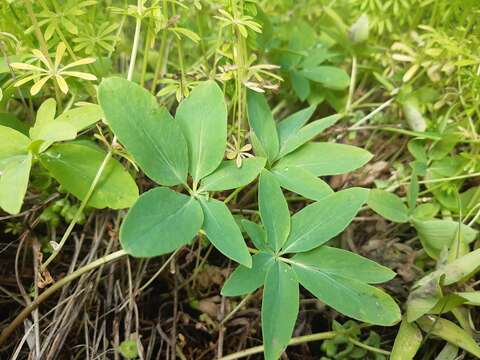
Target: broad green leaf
[[448, 331], [273, 210], [160, 222], [407, 341], [246, 280], [223, 231], [14, 182], [52, 132], [82, 117], [228, 176], [388, 205], [279, 309], [349, 296], [302, 182], [75, 165], [45, 114], [344, 263], [438, 234], [12, 143], [203, 119], [329, 76], [292, 123], [256, 233], [324, 158], [262, 124], [305, 134], [317, 223], [148, 132], [8, 120]]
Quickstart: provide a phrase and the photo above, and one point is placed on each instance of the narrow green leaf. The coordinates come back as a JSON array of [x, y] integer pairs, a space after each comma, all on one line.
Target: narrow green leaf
[[306, 133], [256, 233], [82, 117], [203, 118], [14, 182], [317, 223], [292, 123], [345, 263], [228, 176], [160, 222], [448, 331], [148, 132], [329, 76], [262, 124], [302, 182], [388, 205], [279, 309], [273, 210], [407, 341], [12, 143], [75, 165], [323, 158], [246, 280], [223, 231], [349, 296]]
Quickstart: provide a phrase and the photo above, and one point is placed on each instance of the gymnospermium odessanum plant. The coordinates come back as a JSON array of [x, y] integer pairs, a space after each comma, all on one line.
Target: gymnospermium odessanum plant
[[169, 149]]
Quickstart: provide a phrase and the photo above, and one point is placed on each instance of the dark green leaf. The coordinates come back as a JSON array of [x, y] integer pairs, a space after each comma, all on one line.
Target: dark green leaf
[[329, 76]]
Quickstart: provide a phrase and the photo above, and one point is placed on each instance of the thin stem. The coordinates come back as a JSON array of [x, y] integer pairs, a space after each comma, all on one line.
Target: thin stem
[[238, 307], [57, 286], [352, 84], [293, 341], [374, 112], [164, 265], [136, 41], [368, 347]]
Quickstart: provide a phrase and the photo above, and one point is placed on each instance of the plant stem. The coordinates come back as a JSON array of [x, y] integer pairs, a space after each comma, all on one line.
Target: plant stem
[[368, 347], [136, 41], [293, 341], [352, 84], [57, 286]]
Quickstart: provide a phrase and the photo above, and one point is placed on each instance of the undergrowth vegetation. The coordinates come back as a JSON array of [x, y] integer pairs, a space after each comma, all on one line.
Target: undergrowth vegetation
[[239, 178]]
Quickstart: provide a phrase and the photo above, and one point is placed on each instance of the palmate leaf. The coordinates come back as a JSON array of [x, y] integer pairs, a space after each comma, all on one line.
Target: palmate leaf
[[228, 176], [203, 119], [160, 222], [273, 210], [319, 222], [14, 182], [279, 309], [324, 158], [261, 121], [223, 231], [74, 165], [345, 289], [148, 132]]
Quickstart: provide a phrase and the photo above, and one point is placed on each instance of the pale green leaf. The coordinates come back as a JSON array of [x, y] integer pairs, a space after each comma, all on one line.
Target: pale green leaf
[[388, 205], [12, 143], [75, 165], [407, 341], [273, 210], [82, 117], [319, 222], [148, 132], [161, 221], [203, 119], [14, 182], [292, 123], [223, 231], [329, 76], [279, 309]]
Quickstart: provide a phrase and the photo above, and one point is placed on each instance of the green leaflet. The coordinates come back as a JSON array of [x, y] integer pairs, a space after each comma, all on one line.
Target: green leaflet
[[292, 123], [82, 117], [245, 280], [203, 119], [12, 143], [273, 210], [388, 205], [329, 76], [262, 124], [228, 176], [319, 222], [148, 132], [14, 182], [323, 158], [305, 134], [75, 165], [223, 231], [302, 182], [279, 309], [257, 234], [160, 222], [407, 341], [348, 295], [345, 263]]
